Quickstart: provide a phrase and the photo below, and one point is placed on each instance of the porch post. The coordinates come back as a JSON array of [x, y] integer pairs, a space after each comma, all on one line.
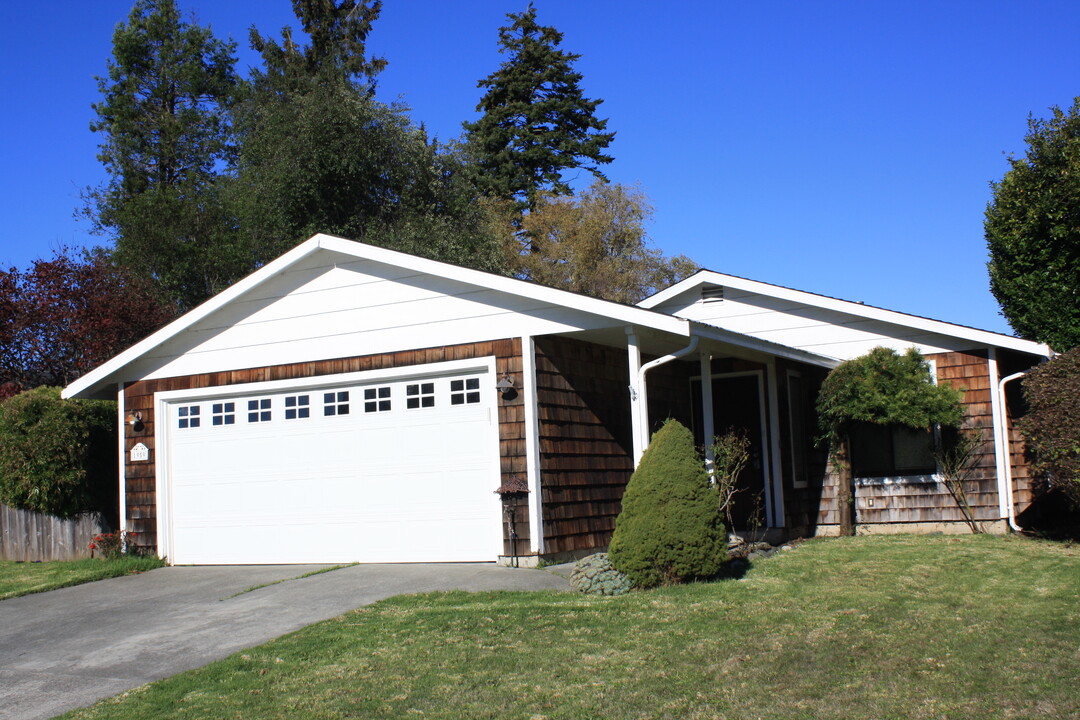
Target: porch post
[[999, 434], [638, 401], [707, 420], [121, 423], [532, 445], [778, 517]]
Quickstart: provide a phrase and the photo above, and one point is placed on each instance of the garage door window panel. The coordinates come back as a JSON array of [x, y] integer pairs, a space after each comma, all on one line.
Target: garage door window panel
[[336, 403], [297, 407], [188, 417], [223, 413], [377, 399], [259, 410], [465, 391], [419, 396]]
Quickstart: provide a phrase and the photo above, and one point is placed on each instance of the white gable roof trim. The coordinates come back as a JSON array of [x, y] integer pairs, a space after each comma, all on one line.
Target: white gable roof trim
[[982, 337]]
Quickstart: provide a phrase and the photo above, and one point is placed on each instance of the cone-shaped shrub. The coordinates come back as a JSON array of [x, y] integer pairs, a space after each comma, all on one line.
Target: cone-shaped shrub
[[669, 529]]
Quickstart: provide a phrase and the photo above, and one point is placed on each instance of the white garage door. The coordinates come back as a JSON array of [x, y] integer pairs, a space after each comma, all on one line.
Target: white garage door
[[402, 470]]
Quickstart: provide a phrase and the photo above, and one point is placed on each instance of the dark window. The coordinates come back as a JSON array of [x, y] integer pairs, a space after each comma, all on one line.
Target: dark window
[[259, 410], [376, 399], [420, 395], [189, 416], [336, 403], [223, 413], [465, 391], [891, 450], [297, 407]]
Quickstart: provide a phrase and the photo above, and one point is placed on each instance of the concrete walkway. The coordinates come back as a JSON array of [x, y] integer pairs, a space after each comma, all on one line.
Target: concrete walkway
[[71, 647]]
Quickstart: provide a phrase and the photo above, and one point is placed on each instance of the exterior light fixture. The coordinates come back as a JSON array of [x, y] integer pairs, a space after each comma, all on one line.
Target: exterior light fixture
[[134, 419], [505, 386]]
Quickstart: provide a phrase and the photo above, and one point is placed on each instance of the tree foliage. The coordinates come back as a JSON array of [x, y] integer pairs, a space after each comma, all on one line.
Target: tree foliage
[[536, 122], [317, 152], [57, 456], [1051, 426], [64, 316], [1033, 233], [882, 387], [596, 243], [669, 529], [165, 134]]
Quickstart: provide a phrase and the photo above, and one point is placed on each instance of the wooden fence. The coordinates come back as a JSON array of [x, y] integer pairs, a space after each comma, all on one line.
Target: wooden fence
[[29, 536]]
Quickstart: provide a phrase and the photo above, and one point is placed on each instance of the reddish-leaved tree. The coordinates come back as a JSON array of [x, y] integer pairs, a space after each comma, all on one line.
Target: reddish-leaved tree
[[64, 316]]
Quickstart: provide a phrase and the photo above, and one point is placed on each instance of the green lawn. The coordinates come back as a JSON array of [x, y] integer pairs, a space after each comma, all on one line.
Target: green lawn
[[876, 627], [23, 578]]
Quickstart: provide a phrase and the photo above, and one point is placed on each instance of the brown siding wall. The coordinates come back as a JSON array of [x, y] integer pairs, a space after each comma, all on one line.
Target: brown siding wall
[[585, 441], [140, 479]]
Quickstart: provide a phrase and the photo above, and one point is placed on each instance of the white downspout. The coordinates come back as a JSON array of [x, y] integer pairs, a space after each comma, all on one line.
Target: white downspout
[[707, 424], [1003, 429], [121, 422], [643, 394]]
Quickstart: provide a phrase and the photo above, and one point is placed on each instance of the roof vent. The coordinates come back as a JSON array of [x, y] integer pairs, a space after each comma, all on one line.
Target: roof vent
[[712, 293]]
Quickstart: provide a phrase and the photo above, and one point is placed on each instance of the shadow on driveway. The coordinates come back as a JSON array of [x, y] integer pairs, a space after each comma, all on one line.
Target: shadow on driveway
[[71, 647]]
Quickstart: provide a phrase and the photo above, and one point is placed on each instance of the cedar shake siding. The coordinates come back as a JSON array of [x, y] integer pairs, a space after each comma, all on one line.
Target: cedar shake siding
[[139, 396], [585, 441]]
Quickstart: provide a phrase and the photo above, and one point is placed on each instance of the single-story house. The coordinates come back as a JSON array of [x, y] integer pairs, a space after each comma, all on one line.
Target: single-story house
[[352, 403]]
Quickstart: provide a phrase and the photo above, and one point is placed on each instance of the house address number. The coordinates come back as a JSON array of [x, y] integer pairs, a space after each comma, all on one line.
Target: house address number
[[140, 452]]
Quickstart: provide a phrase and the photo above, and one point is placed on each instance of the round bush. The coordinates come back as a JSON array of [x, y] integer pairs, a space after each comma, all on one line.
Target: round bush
[[669, 529], [57, 456], [595, 575]]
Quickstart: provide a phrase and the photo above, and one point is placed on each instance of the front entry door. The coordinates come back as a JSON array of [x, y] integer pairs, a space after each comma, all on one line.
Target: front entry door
[[737, 404]]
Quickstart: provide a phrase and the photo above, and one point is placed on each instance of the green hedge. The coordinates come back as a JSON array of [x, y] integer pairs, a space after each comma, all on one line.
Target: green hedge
[[57, 456], [669, 529]]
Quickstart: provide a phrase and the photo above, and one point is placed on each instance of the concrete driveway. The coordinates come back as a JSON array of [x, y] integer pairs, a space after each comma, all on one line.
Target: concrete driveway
[[71, 647]]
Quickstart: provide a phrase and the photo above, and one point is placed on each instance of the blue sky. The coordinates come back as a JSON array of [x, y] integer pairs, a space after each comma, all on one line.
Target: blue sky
[[843, 148]]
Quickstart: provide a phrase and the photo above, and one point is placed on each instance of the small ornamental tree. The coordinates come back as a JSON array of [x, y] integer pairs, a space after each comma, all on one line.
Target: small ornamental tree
[[1051, 426], [669, 529], [57, 456], [882, 387]]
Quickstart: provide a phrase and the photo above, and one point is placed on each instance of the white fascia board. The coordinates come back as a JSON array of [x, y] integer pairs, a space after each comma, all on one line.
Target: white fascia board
[[103, 373], [749, 342], [619, 314], [982, 337]]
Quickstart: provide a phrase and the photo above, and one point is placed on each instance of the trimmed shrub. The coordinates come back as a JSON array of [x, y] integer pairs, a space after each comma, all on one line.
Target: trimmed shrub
[[1051, 426], [669, 529], [57, 456]]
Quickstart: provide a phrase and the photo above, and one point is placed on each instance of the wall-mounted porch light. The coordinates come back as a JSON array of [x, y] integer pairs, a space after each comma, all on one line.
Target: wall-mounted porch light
[[134, 419], [506, 388]]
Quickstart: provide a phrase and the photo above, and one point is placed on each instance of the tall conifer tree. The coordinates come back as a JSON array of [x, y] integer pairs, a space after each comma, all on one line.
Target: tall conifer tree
[[536, 121], [166, 139]]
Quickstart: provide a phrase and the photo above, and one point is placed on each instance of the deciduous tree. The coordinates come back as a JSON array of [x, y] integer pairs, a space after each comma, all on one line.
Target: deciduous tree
[[1051, 426], [1033, 233], [165, 144], [536, 122], [596, 243], [66, 315]]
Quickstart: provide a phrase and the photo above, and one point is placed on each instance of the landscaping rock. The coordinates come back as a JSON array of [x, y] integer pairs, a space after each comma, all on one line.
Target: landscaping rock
[[595, 575]]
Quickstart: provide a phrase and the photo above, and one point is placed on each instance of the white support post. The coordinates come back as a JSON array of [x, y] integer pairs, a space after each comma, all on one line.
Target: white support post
[[532, 445], [638, 402], [778, 518], [121, 423], [707, 417]]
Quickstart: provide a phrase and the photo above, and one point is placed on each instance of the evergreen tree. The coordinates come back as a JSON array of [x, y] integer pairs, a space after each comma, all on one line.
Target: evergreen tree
[[536, 122], [669, 529], [318, 153], [166, 136], [1033, 233]]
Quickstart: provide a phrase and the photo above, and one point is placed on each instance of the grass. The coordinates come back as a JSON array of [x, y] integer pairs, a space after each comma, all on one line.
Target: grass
[[869, 627], [24, 578]]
